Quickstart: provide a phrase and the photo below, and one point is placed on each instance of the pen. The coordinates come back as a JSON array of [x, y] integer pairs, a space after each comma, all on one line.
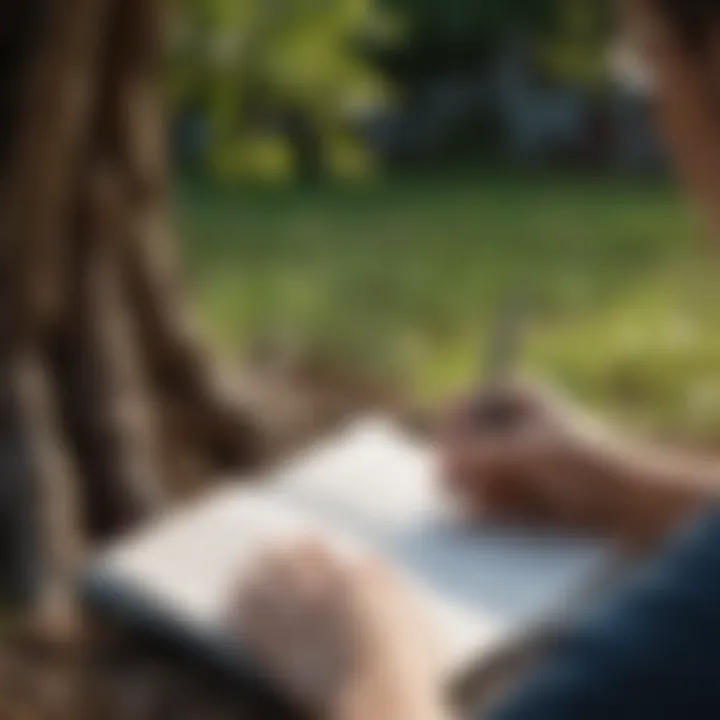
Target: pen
[[505, 344], [494, 409]]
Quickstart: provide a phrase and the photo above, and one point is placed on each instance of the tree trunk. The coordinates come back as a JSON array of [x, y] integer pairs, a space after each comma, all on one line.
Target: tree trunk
[[110, 405]]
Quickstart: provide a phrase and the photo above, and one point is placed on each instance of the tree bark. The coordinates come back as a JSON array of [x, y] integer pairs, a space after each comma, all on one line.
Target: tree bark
[[111, 405]]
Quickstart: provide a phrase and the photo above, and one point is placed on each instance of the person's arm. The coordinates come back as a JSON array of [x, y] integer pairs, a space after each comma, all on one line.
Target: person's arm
[[549, 463], [654, 652], [388, 696], [656, 489]]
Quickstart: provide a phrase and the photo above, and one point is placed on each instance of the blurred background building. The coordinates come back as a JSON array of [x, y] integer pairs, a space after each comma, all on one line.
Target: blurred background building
[[304, 89]]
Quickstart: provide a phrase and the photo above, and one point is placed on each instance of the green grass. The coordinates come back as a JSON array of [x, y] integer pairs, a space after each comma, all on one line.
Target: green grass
[[404, 277]]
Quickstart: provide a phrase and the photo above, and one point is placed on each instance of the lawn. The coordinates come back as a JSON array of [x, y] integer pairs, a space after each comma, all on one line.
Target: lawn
[[403, 277]]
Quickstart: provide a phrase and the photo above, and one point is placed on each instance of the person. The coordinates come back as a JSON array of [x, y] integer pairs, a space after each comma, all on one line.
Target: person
[[343, 636]]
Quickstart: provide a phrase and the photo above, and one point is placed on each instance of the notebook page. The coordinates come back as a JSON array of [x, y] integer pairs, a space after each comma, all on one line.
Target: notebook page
[[370, 489]]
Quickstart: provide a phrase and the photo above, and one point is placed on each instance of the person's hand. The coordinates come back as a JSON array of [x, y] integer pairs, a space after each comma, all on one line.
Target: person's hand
[[523, 454], [340, 634]]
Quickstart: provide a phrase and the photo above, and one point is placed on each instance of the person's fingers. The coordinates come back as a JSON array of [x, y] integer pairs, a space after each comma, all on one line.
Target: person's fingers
[[310, 569], [307, 644], [550, 496], [453, 426], [496, 413], [465, 476], [475, 472], [512, 479], [268, 601], [299, 592], [260, 626], [321, 591]]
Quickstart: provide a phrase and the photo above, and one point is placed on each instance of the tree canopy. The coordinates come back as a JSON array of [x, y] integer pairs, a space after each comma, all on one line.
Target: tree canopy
[[277, 82]]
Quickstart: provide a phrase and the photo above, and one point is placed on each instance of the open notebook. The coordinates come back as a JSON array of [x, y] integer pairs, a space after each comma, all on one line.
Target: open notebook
[[371, 487]]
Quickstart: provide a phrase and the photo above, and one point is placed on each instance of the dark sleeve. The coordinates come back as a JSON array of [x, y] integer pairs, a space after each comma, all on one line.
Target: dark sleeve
[[654, 652]]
